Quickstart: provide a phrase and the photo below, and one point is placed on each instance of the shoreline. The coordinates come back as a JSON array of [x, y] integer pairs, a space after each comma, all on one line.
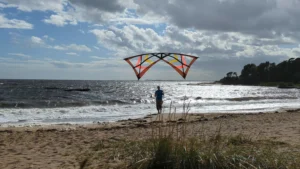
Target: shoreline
[[144, 122], [64, 146], [113, 123]]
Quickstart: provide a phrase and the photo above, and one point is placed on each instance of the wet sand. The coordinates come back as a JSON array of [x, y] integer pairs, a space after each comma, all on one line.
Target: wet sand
[[65, 146]]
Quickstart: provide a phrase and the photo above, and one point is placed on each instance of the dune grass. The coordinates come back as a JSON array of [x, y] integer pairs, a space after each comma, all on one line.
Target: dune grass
[[173, 146], [218, 152]]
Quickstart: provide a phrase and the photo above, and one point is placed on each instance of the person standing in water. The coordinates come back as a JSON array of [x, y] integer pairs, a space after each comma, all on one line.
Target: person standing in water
[[159, 95]]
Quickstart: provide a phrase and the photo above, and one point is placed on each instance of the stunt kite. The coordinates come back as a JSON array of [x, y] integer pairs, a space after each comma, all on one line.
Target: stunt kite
[[142, 63]]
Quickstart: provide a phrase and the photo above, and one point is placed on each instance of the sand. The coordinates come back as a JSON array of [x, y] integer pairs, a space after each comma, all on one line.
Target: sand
[[65, 146]]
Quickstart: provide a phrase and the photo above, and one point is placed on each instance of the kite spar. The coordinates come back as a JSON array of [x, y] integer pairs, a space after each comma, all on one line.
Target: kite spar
[[143, 62]]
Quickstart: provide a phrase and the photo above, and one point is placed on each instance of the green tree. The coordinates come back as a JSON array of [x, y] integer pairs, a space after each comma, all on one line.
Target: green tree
[[249, 74], [286, 71], [264, 72]]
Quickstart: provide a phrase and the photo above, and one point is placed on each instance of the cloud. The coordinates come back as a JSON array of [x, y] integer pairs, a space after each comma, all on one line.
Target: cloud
[[55, 69], [227, 15], [20, 55], [87, 11], [14, 23], [61, 20], [57, 47], [112, 68], [131, 40], [128, 40], [135, 21], [214, 30], [78, 47], [95, 57], [31, 5], [71, 47], [72, 11], [100, 63], [63, 64], [37, 40], [56, 20], [72, 53], [48, 38], [101, 5]]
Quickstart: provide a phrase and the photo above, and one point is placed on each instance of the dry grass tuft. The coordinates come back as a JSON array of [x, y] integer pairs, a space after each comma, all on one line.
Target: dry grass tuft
[[171, 147]]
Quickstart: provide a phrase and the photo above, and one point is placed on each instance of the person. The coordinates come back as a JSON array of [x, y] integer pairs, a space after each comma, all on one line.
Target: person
[[159, 99]]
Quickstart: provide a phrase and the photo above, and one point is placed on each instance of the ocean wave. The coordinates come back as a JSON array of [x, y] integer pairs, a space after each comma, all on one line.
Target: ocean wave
[[110, 102], [57, 104], [29, 100], [76, 115], [261, 98], [52, 88], [240, 99]]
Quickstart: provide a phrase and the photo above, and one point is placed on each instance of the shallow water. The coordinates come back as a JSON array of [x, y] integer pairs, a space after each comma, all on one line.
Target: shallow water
[[47, 102]]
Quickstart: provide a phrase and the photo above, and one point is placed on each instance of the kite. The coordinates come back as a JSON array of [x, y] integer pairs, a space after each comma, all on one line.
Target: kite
[[143, 62]]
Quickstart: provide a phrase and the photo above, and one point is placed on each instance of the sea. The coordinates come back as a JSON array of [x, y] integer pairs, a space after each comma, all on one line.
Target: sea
[[46, 102]]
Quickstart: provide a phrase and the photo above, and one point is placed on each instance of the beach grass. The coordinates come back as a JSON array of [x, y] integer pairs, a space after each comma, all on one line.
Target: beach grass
[[218, 152], [173, 145]]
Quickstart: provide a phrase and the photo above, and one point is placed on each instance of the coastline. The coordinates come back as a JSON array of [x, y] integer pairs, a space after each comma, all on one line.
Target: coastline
[[63, 146]]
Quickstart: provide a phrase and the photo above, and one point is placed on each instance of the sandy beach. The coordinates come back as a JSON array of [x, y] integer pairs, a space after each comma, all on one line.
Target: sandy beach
[[65, 146]]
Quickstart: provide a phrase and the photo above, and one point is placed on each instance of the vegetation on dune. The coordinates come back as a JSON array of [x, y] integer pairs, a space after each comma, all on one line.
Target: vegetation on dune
[[167, 151], [213, 153], [286, 73], [176, 146]]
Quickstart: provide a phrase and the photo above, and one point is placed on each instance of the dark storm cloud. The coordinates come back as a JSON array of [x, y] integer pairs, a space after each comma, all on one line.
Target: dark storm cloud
[[250, 16], [103, 5]]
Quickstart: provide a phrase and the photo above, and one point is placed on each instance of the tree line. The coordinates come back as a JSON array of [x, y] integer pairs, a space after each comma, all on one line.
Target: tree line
[[287, 71]]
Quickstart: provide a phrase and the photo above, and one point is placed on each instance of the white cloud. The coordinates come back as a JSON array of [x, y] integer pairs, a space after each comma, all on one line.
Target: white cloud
[[96, 47], [39, 5], [78, 47], [56, 20], [37, 69], [14, 23], [72, 53], [48, 38], [2, 5], [37, 40], [20, 55], [95, 57], [135, 21], [56, 47], [61, 20], [67, 64], [75, 47], [131, 40]]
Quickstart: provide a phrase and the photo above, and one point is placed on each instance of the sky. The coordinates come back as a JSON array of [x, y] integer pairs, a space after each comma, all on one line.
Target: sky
[[88, 39]]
